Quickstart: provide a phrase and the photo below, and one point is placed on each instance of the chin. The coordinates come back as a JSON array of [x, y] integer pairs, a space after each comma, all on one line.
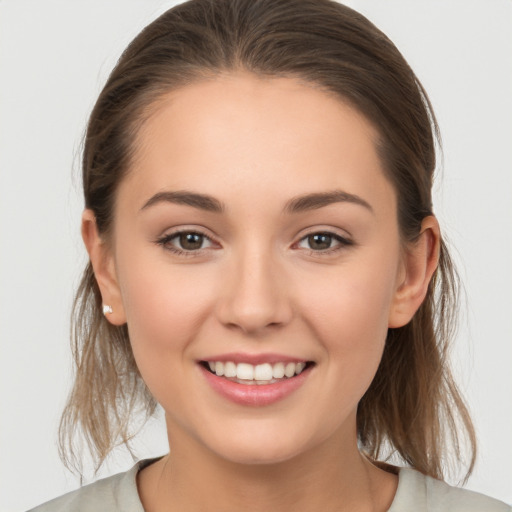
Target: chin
[[261, 448], [258, 457]]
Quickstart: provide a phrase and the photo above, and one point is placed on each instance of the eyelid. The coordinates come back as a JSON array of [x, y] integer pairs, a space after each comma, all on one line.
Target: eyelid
[[325, 229], [344, 242], [164, 241]]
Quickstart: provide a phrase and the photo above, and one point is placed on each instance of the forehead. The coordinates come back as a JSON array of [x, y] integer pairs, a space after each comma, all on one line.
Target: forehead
[[241, 134]]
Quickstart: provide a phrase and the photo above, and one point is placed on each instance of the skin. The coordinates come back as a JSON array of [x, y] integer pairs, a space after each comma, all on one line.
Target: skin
[[257, 285]]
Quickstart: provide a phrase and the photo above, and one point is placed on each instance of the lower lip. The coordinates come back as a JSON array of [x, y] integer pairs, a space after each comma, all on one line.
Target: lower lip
[[257, 395]]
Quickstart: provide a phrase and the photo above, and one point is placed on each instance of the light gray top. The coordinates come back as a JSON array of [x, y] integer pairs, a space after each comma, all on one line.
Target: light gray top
[[415, 493]]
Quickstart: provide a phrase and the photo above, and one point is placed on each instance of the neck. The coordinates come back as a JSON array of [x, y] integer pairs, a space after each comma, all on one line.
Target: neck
[[333, 476]]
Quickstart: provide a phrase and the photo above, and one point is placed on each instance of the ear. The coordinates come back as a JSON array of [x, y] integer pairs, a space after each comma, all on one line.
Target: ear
[[419, 263], [102, 261]]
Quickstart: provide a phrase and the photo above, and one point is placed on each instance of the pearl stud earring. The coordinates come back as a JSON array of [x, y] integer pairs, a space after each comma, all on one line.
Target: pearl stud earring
[[107, 310]]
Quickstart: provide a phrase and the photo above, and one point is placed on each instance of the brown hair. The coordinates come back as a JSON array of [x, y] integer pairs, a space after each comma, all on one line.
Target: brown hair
[[412, 408]]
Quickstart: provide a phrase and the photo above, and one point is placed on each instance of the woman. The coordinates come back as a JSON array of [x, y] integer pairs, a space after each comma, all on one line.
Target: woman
[[266, 265]]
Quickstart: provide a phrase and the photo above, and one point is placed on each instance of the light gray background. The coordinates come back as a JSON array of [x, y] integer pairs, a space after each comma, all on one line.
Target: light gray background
[[54, 57]]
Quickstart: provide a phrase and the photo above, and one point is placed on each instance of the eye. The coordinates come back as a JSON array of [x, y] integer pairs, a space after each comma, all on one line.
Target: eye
[[190, 241], [185, 242], [323, 242]]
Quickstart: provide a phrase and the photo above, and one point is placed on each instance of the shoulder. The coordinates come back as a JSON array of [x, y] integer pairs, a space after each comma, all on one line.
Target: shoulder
[[113, 494], [425, 494]]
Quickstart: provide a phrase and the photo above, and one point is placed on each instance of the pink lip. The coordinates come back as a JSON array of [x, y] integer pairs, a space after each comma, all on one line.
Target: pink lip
[[255, 394], [254, 359]]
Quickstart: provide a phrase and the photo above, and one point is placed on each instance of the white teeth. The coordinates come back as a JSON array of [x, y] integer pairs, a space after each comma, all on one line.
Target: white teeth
[[230, 369], [263, 372], [245, 371], [256, 374], [289, 370], [219, 369], [278, 371]]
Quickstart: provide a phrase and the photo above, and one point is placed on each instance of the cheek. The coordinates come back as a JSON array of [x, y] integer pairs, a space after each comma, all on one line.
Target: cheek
[[164, 306], [164, 311], [347, 304], [348, 311]]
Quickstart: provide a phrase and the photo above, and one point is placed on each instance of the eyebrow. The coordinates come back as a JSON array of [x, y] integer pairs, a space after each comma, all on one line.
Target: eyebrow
[[298, 204], [200, 201], [321, 199]]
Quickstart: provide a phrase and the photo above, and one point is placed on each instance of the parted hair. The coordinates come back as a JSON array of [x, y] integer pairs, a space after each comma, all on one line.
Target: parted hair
[[412, 410]]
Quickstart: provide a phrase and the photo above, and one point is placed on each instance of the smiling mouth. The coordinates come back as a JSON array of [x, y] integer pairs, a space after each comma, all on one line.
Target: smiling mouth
[[260, 374]]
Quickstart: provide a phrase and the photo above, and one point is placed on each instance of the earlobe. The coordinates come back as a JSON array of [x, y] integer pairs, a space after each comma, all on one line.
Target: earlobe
[[103, 265], [419, 264]]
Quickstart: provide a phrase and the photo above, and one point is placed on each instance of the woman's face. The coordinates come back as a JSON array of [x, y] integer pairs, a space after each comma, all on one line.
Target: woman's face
[[256, 233]]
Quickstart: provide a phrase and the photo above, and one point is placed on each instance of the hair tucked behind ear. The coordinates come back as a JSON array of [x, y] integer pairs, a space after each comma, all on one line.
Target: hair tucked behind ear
[[107, 388], [413, 407]]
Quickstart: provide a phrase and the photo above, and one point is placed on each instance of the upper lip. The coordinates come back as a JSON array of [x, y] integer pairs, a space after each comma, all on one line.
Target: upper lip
[[255, 359]]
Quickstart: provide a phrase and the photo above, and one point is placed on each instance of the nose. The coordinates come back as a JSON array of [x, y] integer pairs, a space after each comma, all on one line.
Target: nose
[[255, 295]]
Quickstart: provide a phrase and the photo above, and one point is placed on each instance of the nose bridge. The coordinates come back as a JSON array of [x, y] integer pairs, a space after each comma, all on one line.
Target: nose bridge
[[256, 296]]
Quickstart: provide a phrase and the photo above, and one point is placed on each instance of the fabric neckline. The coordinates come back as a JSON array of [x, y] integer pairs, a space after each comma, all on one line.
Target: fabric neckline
[[410, 492]]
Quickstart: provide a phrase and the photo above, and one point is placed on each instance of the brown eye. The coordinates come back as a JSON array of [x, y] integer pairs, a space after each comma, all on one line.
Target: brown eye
[[190, 241], [185, 242], [319, 241], [324, 242]]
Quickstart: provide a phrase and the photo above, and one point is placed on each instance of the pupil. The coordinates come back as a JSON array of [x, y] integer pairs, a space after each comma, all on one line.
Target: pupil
[[320, 241], [191, 241]]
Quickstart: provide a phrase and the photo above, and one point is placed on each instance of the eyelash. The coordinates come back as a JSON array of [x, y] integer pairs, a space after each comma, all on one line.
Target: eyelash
[[165, 242], [342, 243]]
